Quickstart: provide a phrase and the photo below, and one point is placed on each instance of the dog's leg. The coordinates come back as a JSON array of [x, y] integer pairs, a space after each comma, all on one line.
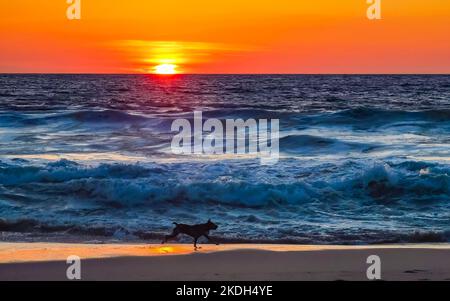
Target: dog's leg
[[195, 243], [209, 239], [174, 234]]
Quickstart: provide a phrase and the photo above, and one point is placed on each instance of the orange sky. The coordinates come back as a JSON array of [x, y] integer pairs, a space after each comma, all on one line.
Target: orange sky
[[225, 36]]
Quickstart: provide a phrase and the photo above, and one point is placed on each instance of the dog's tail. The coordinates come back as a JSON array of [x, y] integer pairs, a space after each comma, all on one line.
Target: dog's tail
[[176, 224]]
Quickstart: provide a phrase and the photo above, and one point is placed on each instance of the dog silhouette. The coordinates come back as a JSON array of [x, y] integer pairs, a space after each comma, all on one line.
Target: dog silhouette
[[195, 231]]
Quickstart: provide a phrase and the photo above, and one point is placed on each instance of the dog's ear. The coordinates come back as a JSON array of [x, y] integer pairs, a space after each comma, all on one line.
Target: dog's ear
[[209, 220]]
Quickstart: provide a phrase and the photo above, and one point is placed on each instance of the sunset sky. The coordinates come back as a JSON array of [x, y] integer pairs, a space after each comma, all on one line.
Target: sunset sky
[[229, 36]]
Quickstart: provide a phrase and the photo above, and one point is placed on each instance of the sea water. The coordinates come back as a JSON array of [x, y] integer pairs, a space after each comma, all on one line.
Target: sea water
[[363, 159]]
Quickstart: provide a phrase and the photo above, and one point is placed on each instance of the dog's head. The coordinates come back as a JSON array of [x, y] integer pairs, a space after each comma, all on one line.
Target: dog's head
[[211, 225]]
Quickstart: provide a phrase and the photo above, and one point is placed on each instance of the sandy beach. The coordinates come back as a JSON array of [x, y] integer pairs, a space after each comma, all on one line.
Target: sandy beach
[[47, 261]]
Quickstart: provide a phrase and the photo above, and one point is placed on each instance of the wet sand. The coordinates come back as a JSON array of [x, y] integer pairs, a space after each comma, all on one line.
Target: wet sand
[[47, 261]]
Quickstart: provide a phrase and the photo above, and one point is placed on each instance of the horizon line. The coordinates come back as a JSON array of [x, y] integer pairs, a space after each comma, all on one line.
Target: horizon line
[[177, 74]]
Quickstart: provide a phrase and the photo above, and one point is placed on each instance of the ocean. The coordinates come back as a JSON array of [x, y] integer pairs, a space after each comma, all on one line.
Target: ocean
[[364, 159]]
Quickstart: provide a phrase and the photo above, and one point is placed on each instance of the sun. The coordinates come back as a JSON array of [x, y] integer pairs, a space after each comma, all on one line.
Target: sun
[[165, 69]]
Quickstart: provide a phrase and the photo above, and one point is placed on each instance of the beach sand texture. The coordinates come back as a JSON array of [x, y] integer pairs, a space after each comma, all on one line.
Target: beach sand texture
[[45, 261]]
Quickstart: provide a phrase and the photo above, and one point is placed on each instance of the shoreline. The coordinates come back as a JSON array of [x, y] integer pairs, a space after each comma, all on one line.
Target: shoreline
[[17, 252], [47, 261]]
